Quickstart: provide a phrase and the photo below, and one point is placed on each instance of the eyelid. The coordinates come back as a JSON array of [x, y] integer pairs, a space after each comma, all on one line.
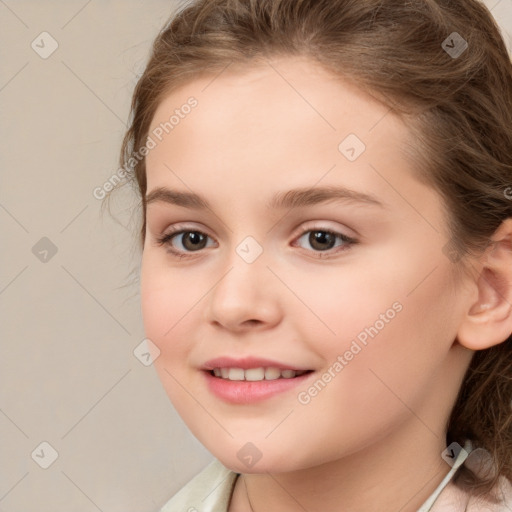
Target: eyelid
[[165, 238], [324, 226], [179, 228], [319, 225]]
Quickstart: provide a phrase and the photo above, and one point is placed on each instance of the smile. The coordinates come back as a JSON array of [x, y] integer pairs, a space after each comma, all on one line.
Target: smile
[[256, 374]]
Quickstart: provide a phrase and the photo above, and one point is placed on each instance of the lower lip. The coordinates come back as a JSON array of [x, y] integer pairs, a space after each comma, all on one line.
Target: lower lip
[[245, 392]]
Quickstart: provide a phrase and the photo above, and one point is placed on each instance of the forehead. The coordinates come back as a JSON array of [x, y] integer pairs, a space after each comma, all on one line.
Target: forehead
[[278, 93], [277, 125]]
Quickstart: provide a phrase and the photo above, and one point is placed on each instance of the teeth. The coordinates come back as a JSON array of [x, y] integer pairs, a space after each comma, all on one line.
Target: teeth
[[236, 374], [272, 373], [256, 374]]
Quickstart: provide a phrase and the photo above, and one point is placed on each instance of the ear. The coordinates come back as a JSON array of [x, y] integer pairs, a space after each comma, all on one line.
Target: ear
[[488, 321]]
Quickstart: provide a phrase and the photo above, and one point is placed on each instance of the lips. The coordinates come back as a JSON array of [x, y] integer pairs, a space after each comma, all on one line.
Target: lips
[[246, 363], [251, 379]]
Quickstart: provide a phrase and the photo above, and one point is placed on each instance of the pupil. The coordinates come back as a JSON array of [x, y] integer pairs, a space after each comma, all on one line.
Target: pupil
[[317, 238], [195, 238]]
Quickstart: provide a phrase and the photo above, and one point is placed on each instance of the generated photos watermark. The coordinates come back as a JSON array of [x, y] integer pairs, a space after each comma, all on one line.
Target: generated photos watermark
[[358, 343], [152, 142]]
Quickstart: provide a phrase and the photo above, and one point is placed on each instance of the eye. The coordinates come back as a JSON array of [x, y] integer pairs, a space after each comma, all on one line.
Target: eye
[[187, 241], [323, 240], [183, 242]]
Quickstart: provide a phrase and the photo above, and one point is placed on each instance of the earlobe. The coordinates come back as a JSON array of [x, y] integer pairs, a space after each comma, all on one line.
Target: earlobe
[[488, 321]]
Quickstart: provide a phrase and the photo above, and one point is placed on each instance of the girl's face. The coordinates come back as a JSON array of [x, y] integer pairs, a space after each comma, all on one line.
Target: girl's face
[[305, 243]]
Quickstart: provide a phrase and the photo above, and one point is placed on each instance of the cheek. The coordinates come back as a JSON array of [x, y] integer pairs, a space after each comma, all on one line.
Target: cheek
[[388, 376], [400, 358], [391, 333], [346, 306], [168, 299]]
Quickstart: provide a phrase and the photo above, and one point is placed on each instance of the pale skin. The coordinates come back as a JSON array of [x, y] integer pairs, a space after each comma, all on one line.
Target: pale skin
[[270, 128]]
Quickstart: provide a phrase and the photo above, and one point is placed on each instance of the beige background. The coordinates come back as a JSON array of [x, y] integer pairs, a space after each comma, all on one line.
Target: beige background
[[69, 326]]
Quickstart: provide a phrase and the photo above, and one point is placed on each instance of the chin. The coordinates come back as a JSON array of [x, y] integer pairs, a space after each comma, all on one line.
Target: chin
[[259, 468], [249, 460]]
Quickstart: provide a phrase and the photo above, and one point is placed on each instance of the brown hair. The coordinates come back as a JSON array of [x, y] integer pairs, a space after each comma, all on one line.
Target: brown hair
[[458, 106]]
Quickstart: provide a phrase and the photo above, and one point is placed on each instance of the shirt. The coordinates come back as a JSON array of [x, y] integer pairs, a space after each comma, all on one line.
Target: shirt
[[212, 488]]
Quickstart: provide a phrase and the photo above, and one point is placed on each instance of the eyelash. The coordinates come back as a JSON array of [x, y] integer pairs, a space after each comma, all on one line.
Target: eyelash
[[167, 238]]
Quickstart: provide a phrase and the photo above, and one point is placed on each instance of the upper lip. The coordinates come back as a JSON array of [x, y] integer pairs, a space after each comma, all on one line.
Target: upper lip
[[248, 362]]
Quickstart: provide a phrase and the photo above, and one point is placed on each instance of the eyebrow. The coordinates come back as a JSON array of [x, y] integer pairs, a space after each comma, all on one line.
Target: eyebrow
[[295, 198]]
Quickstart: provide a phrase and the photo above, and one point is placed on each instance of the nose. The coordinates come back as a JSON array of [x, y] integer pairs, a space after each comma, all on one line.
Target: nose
[[246, 297]]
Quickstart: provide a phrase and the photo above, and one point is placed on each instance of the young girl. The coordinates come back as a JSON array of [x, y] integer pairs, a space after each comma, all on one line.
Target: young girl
[[326, 277]]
